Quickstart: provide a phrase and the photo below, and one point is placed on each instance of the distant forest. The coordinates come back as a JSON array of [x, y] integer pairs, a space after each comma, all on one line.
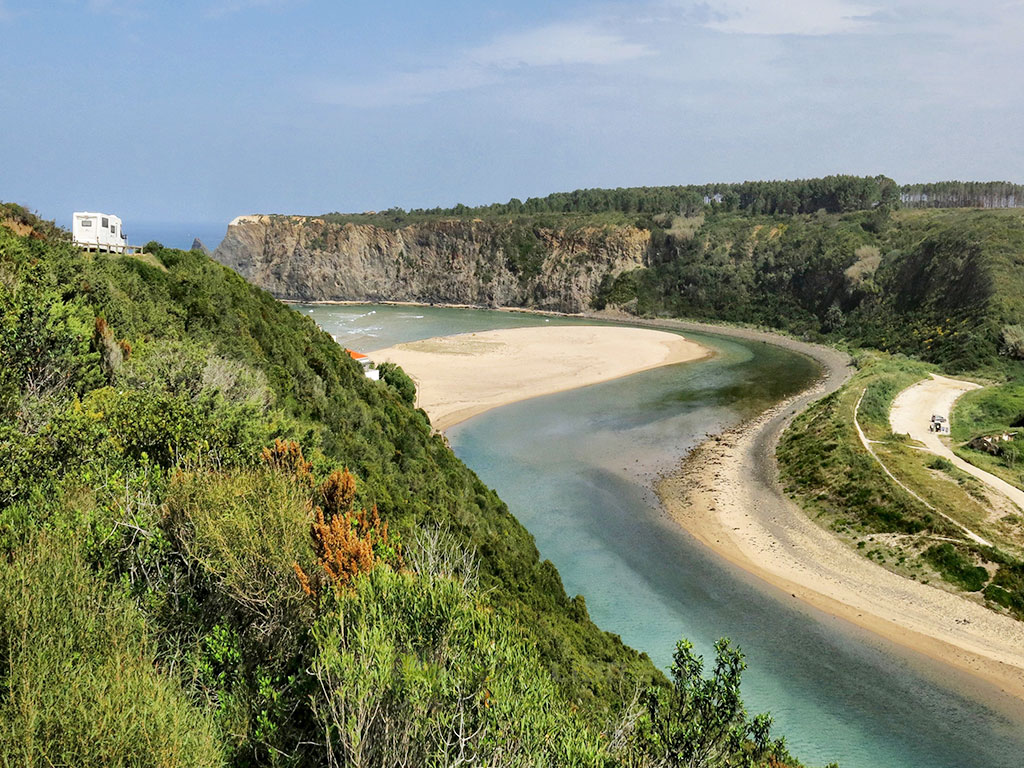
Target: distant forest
[[963, 194], [833, 194]]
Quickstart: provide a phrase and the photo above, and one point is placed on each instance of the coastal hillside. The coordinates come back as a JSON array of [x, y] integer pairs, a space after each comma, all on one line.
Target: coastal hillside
[[941, 284], [856, 262], [223, 545]]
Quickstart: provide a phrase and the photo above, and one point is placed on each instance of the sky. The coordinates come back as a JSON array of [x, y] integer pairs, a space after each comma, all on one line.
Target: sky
[[202, 110]]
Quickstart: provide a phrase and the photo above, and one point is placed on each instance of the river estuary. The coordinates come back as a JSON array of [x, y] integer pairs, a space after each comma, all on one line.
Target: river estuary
[[577, 469]]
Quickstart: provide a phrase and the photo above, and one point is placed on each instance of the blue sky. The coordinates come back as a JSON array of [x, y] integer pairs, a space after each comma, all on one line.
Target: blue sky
[[200, 110]]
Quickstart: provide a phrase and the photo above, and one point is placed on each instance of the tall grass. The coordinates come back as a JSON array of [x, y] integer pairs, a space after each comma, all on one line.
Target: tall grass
[[80, 685]]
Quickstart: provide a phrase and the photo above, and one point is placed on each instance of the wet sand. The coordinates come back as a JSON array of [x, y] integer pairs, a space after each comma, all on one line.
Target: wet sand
[[726, 494], [458, 377]]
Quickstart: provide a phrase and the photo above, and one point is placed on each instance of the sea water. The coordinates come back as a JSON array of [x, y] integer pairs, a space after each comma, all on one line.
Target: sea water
[[577, 469]]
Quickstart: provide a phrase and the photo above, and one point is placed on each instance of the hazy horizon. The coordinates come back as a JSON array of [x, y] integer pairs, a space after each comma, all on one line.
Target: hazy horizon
[[215, 108]]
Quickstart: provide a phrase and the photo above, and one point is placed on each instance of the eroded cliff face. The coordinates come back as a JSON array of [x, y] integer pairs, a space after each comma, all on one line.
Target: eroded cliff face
[[477, 262]]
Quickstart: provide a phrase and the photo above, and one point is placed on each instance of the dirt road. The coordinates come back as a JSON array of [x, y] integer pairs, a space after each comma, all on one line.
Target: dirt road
[[727, 495], [911, 414]]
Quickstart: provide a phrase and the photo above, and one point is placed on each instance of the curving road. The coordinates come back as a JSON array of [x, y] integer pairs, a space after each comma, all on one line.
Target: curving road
[[911, 414]]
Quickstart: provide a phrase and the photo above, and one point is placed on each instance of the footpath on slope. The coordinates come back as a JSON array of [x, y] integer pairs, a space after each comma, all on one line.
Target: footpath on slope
[[867, 447], [726, 494], [911, 414]]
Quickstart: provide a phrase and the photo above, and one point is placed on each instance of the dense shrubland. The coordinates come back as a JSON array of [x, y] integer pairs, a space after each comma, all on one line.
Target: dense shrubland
[[944, 286], [222, 545]]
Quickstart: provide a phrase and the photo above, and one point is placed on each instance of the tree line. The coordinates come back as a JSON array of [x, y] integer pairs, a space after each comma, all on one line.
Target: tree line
[[832, 194], [963, 194]]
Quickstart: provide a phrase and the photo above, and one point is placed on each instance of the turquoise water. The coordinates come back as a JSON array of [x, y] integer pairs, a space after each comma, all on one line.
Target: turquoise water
[[576, 469]]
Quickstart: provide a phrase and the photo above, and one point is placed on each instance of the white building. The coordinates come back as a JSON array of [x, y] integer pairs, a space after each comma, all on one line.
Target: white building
[[368, 370], [101, 231]]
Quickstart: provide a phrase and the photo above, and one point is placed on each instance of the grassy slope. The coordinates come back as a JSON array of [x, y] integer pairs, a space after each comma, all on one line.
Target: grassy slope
[[135, 399], [826, 469]]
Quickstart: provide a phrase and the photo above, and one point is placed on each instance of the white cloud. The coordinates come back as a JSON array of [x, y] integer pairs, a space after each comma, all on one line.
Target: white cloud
[[557, 44], [548, 46], [788, 17]]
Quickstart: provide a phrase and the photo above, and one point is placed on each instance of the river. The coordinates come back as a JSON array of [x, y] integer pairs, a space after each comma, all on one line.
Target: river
[[577, 469]]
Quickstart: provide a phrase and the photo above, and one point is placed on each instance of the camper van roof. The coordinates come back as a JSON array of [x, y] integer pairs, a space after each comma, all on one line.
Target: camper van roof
[[90, 214]]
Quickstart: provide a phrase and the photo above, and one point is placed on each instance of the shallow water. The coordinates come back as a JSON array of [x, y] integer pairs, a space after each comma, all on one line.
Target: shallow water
[[576, 469]]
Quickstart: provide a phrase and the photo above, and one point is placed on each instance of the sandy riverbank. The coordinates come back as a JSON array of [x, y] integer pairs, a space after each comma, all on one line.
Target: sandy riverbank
[[458, 377], [726, 495]]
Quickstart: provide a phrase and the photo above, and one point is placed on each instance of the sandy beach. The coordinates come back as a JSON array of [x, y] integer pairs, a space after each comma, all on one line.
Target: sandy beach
[[726, 495], [458, 377]]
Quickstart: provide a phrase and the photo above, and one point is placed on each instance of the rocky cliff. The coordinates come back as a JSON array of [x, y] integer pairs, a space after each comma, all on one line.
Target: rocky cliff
[[485, 263]]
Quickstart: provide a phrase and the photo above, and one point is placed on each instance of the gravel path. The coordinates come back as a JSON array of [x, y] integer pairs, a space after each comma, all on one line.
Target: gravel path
[[727, 495], [911, 414]]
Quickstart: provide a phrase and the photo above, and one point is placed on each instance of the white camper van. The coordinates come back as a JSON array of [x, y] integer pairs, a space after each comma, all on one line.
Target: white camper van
[[99, 231]]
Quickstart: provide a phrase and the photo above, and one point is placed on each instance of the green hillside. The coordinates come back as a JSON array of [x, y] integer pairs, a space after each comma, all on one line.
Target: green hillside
[[943, 285], [224, 545]]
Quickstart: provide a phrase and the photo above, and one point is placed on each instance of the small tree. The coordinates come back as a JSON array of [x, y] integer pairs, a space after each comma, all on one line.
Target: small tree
[[398, 380], [700, 722]]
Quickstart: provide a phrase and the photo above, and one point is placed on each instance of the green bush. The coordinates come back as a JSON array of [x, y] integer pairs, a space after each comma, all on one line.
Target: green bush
[[80, 683], [244, 531], [956, 567], [414, 666], [941, 464], [399, 380]]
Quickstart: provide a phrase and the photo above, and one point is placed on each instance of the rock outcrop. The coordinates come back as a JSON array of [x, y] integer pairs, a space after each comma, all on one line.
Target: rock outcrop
[[483, 263]]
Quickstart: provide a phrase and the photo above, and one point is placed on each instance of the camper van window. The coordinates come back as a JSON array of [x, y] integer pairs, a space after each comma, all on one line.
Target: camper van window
[[113, 229], [86, 222], [105, 222]]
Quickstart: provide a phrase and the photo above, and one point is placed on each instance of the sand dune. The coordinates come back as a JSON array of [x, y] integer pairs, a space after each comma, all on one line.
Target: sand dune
[[460, 376]]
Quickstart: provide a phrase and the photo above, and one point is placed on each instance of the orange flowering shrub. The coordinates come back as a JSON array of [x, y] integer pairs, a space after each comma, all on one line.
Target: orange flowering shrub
[[345, 543], [286, 456], [338, 492]]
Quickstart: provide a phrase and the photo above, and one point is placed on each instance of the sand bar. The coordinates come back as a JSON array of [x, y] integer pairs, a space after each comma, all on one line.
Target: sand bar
[[460, 376], [726, 494]]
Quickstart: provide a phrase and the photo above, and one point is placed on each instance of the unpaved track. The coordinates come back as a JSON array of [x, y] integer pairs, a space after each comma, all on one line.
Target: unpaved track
[[867, 447], [912, 411], [727, 495]]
